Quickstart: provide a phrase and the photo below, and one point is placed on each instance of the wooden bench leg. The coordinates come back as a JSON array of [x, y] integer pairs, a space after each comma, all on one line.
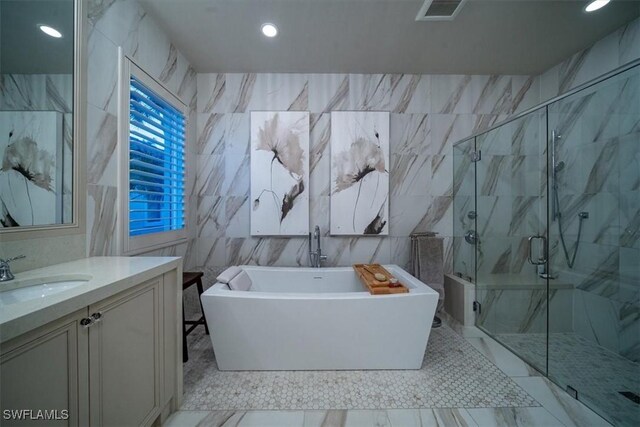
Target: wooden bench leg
[[185, 352]]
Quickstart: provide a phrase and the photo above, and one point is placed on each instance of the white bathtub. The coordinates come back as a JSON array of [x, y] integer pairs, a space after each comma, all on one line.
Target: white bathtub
[[316, 319]]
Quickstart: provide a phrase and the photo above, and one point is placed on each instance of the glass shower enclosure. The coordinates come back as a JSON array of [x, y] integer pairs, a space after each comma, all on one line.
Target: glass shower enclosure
[[547, 226]]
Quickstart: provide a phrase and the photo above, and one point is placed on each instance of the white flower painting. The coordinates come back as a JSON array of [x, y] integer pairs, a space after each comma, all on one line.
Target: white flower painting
[[30, 168], [359, 173], [279, 173]]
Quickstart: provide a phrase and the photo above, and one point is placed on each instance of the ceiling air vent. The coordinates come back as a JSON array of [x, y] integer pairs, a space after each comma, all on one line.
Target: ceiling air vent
[[439, 10]]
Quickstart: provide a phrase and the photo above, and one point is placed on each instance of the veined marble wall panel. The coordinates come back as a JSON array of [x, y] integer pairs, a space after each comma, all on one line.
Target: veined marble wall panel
[[618, 48], [421, 141], [508, 310], [125, 24], [23, 91], [511, 184], [599, 148]]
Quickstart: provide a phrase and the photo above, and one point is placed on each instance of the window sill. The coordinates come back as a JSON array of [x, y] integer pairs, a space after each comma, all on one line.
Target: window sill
[[147, 249]]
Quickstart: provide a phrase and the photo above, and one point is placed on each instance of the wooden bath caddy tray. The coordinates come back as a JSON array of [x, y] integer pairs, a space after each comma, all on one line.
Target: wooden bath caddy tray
[[367, 272]]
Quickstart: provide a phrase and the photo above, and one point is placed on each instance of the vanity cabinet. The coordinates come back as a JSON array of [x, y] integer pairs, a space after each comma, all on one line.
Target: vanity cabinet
[[124, 357], [47, 369], [113, 363]]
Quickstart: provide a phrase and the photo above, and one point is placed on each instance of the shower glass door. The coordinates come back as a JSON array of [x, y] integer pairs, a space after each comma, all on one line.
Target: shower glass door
[[594, 236], [511, 261], [464, 206]]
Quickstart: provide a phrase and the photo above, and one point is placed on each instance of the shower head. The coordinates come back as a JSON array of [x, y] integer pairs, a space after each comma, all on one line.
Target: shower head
[[558, 167]]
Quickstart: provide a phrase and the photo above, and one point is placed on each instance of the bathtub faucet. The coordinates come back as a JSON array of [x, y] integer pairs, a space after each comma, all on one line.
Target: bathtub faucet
[[316, 257]]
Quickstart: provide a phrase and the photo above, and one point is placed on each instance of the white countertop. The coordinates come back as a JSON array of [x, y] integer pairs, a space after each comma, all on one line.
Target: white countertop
[[109, 275]]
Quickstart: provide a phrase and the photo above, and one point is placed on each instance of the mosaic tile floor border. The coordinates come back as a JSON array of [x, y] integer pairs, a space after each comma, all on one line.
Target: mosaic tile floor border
[[454, 374]]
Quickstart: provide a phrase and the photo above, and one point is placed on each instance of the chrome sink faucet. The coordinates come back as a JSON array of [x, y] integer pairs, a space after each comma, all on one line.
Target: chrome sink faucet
[[316, 257], [5, 269]]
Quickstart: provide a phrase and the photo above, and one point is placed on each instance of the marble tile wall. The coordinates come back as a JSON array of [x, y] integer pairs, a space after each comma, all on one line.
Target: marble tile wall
[[428, 113], [510, 200], [506, 172], [523, 310], [599, 148], [25, 92], [618, 48], [601, 151], [123, 23]]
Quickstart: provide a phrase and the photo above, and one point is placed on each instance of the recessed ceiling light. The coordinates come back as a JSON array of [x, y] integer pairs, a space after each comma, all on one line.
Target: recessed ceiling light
[[595, 5], [269, 30], [50, 31]]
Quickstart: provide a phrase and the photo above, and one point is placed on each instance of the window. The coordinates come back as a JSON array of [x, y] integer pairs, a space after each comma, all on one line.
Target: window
[[154, 160]]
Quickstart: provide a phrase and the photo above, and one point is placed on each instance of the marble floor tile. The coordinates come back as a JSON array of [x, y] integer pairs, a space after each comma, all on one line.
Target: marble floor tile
[[222, 419], [271, 419], [324, 418], [472, 332], [453, 375], [368, 418], [449, 417], [557, 409], [455, 417], [406, 417], [185, 418], [596, 372], [505, 360], [465, 331], [444, 417], [514, 417], [562, 406]]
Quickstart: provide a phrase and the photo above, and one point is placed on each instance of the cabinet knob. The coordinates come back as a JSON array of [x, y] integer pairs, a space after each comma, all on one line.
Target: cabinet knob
[[96, 317], [86, 322]]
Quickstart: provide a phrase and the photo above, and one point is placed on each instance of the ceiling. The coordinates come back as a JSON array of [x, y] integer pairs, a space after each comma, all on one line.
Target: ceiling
[[382, 36], [24, 49]]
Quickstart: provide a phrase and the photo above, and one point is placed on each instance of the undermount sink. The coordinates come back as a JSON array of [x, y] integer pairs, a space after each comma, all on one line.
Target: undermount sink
[[33, 289]]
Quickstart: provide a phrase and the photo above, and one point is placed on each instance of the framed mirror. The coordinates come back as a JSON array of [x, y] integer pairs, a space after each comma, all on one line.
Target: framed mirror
[[41, 123]]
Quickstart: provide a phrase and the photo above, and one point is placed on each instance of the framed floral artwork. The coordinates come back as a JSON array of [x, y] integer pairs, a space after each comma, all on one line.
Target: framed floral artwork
[[279, 173], [359, 202], [31, 167]]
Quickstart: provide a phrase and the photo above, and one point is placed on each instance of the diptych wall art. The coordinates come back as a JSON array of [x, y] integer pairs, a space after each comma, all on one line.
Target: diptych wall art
[[279, 173], [359, 173], [30, 168]]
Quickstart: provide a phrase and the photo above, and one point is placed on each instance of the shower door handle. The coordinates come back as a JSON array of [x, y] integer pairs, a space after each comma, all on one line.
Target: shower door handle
[[544, 250]]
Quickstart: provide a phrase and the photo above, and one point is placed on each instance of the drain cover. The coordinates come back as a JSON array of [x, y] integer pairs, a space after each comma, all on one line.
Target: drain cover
[[631, 396]]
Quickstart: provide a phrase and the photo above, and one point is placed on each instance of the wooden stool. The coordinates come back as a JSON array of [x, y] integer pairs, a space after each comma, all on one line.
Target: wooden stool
[[188, 279]]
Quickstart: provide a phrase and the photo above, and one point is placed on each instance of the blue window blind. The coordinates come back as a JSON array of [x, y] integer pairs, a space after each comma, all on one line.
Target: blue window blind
[[156, 163]]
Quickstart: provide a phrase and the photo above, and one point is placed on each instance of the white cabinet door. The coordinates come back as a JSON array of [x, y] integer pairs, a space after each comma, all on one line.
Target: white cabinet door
[[125, 357], [46, 370]]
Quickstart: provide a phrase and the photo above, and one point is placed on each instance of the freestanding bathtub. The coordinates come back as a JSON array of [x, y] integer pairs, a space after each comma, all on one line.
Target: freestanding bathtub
[[317, 319]]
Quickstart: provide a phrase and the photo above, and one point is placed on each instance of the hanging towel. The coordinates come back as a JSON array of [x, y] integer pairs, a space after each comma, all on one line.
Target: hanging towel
[[427, 262], [241, 282], [228, 274]]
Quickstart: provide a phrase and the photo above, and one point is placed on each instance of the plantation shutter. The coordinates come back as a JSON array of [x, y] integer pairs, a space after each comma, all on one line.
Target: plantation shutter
[[156, 163]]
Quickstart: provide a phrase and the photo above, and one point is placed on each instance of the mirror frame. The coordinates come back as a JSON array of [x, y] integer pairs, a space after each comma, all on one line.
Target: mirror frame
[[78, 225]]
